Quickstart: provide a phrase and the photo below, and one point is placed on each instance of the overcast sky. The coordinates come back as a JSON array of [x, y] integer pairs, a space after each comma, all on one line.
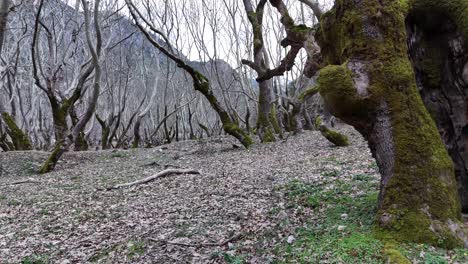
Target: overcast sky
[[193, 35]]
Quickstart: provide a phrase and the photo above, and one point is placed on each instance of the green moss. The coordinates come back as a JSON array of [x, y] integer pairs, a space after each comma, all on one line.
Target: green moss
[[268, 136], [265, 128], [274, 121], [53, 158], [334, 137], [455, 10], [420, 197], [202, 84], [80, 143], [393, 255], [337, 88], [308, 93], [238, 133], [19, 139]]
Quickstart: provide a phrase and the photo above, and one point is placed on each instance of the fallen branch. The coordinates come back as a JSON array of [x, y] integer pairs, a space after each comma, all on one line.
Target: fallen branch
[[21, 182], [155, 164], [220, 244], [161, 174]]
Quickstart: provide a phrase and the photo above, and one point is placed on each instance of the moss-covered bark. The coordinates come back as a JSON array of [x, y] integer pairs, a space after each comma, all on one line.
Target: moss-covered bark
[[19, 139], [51, 162], [80, 143], [334, 137], [202, 84], [438, 49], [265, 128], [370, 84]]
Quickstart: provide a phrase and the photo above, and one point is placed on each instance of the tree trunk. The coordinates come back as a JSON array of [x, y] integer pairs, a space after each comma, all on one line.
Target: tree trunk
[[264, 124], [59, 117], [439, 52], [105, 129], [19, 139], [4, 9], [136, 133], [80, 143], [371, 85]]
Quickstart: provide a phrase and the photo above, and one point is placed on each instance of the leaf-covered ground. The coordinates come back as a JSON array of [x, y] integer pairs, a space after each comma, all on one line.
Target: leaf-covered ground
[[299, 200]]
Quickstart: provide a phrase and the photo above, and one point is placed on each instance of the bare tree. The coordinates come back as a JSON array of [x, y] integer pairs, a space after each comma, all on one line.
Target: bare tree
[[19, 139], [200, 82], [64, 143]]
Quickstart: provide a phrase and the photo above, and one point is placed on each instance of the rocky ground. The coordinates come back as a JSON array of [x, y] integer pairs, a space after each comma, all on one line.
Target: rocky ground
[[237, 210]]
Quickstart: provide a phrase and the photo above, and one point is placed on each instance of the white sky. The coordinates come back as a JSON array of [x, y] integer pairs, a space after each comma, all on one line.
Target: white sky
[[195, 23]]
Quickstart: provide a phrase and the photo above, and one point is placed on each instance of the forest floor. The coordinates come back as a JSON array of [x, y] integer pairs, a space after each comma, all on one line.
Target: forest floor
[[299, 200]]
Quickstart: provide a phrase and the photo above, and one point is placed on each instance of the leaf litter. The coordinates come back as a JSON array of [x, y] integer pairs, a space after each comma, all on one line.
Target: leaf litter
[[226, 211]]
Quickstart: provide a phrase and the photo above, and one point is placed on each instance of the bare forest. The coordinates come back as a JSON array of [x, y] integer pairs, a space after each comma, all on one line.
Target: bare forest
[[233, 131]]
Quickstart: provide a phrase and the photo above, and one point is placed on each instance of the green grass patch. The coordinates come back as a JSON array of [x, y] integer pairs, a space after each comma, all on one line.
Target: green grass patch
[[340, 228], [135, 248], [35, 259], [342, 232]]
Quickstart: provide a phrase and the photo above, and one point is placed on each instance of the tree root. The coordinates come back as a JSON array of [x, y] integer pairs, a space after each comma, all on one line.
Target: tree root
[[161, 174]]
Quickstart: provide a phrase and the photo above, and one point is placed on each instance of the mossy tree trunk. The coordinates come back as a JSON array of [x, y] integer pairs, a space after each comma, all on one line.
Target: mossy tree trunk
[[438, 48], [370, 84], [265, 128], [265, 120], [80, 143], [64, 144], [19, 139]]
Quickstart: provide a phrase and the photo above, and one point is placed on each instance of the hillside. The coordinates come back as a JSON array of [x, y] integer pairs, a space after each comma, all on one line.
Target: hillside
[[256, 206]]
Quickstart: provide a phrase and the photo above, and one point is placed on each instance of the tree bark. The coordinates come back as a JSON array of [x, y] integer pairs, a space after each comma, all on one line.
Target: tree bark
[[19, 139], [265, 120], [4, 9], [439, 53], [370, 84]]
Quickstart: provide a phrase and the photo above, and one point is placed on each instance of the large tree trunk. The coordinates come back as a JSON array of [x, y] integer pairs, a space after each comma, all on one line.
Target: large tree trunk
[[371, 85], [439, 52]]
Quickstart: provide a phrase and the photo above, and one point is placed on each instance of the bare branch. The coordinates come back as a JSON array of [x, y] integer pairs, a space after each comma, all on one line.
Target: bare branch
[[315, 6]]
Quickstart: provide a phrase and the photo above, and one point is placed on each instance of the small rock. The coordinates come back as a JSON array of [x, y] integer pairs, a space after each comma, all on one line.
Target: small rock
[[344, 217], [291, 239], [341, 228]]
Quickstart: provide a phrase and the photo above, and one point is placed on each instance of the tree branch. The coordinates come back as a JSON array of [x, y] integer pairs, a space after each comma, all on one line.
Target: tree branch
[[314, 5]]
